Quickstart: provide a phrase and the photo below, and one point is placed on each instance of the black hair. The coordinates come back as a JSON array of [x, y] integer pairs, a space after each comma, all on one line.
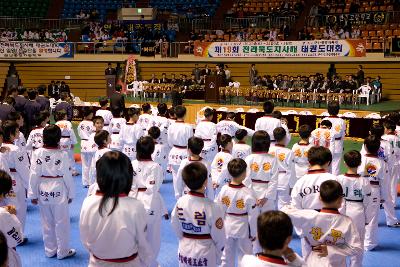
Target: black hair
[[260, 142], [326, 123], [101, 137], [5, 183], [372, 144], [14, 116], [377, 129], [208, 112], [87, 111], [21, 90], [230, 115], [41, 89], [3, 249], [103, 101], [333, 108], [330, 191], [279, 134], [114, 178], [32, 94], [319, 155], [9, 128], [224, 140], [237, 167], [352, 158], [277, 114], [146, 107], [162, 108], [395, 117], [241, 134], [60, 115], [10, 100], [41, 117], [132, 112], [154, 132], [268, 107], [180, 112], [171, 112], [273, 228], [194, 175], [389, 124], [305, 131], [144, 147], [64, 96], [51, 135], [98, 118], [195, 145], [116, 112]]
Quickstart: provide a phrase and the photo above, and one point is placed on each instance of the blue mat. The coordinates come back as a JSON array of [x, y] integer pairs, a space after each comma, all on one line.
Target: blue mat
[[32, 254]]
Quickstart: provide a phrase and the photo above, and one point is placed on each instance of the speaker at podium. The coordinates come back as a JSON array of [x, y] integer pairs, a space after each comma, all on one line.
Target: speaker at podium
[[213, 83], [110, 84]]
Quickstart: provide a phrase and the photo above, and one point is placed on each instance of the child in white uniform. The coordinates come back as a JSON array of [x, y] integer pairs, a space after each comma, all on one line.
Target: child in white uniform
[[268, 123], [300, 151], [35, 138], [240, 148], [275, 230], [198, 222], [20, 141], [277, 114], [239, 204], [102, 140], [219, 172], [195, 146], [130, 133], [331, 235], [85, 130], [146, 118], [52, 187], [229, 126], [323, 136], [104, 112], [285, 160], [116, 124], [162, 122], [357, 193], [111, 219], [207, 130], [262, 172], [161, 150]]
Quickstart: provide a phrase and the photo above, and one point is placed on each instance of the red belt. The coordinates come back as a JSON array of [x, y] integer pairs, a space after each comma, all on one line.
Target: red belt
[[237, 214], [193, 236], [13, 170], [374, 182], [259, 181], [142, 189], [181, 147], [120, 260], [49, 176]]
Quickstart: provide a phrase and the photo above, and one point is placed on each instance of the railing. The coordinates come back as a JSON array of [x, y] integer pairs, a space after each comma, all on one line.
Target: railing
[[354, 18], [38, 23]]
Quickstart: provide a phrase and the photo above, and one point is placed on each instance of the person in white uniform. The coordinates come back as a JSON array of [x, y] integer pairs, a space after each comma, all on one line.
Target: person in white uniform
[[275, 230], [197, 222], [277, 114], [35, 138], [229, 126], [300, 151], [102, 140], [178, 136], [145, 119], [331, 235], [52, 188], [240, 148], [112, 224], [339, 132], [9, 223], [323, 136], [85, 130], [219, 172], [161, 150], [357, 193], [241, 211], [268, 123], [104, 112], [207, 130], [116, 124], [162, 122], [130, 133]]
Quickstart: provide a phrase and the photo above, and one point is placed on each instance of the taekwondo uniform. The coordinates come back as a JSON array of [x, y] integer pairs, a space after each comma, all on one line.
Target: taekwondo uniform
[[97, 155], [263, 260], [116, 124], [35, 139], [230, 127], [207, 130], [241, 150], [107, 116], [339, 132], [163, 124], [219, 171], [130, 133], [85, 130], [301, 164], [12, 230], [160, 155], [269, 124], [145, 121], [68, 140]]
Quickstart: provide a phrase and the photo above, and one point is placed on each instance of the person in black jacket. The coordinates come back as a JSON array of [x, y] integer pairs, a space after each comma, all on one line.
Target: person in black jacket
[[41, 99], [20, 100], [65, 105], [6, 108], [117, 100], [109, 70], [32, 109]]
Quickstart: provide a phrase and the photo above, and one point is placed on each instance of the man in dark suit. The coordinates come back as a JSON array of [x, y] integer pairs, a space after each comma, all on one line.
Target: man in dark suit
[[32, 109], [65, 105], [196, 72], [360, 75], [41, 99], [53, 91], [177, 96], [6, 108], [117, 100], [20, 100], [206, 71], [109, 70], [65, 88], [153, 79], [164, 78]]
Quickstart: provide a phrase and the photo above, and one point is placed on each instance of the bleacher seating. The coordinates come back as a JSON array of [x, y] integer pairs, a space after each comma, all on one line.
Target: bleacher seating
[[3, 75], [24, 8], [189, 8], [73, 7], [255, 7], [364, 6]]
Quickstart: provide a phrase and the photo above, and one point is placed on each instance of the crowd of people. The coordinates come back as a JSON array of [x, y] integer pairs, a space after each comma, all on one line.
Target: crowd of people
[[234, 202], [285, 8], [33, 35]]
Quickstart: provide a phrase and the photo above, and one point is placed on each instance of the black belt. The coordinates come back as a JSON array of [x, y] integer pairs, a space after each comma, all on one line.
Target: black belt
[[354, 200], [282, 171], [84, 139], [181, 147], [374, 182], [193, 236], [115, 132], [106, 124], [65, 136], [49, 176], [338, 138], [120, 260], [142, 189], [13, 170], [259, 181], [237, 214], [206, 140]]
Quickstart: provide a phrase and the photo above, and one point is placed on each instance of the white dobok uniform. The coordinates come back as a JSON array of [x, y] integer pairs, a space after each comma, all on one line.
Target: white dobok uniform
[[160, 155], [327, 227], [130, 134], [145, 120], [147, 179], [241, 150], [269, 124], [116, 124], [12, 230], [357, 191], [68, 139], [301, 164], [163, 124], [230, 127], [35, 139], [263, 260], [85, 130], [286, 173], [198, 223], [373, 169], [97, 155], [181, 189], [107, 116], [124, 231], [219, 168], [18, 164], [262, 177], [51, 183], [207, 130], [241, 212], [339, 132]]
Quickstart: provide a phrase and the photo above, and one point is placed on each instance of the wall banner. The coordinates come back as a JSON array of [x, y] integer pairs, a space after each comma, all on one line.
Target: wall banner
[[35, 50]]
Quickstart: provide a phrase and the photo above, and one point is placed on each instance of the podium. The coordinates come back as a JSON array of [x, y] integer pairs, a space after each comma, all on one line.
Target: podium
[[213, 83], [110, 84]]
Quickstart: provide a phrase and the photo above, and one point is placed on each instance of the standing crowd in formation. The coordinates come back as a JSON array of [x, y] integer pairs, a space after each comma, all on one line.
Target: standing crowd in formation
[[235, 203]]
